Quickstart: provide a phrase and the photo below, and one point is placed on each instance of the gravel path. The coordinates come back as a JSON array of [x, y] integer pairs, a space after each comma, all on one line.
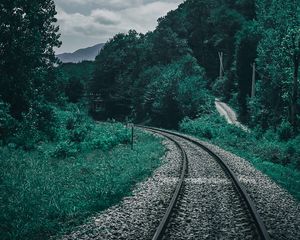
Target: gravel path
[[137, 216]]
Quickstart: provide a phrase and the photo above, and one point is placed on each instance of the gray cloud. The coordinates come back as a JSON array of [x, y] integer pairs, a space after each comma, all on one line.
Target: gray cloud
[[106, 17], [87, 22]]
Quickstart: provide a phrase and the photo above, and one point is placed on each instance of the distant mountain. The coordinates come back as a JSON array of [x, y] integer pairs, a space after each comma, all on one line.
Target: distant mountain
[[83, 54]]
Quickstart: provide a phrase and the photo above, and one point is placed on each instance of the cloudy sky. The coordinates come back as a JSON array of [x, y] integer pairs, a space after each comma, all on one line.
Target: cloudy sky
[[84, 23]]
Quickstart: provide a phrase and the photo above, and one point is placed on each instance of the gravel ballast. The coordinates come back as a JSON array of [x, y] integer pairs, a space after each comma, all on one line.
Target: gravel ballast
[[209, 206], [278, 209]]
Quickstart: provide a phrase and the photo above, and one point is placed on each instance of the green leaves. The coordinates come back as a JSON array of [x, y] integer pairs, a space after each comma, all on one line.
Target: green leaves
[[26, 52], [278, 53]]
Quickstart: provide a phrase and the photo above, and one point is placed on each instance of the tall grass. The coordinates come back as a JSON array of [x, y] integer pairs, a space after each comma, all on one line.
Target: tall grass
[[57, 186], [266, 151]]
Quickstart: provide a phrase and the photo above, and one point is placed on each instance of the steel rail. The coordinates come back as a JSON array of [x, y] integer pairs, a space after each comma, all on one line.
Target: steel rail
[[240, 188], [164, 222]]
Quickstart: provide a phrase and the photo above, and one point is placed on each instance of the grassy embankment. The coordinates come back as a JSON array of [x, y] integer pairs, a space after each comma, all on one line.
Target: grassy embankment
[[277, 158], [58, 185]]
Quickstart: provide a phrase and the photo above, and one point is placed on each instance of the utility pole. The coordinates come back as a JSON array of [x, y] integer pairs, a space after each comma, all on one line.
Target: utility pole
[[253, 80], [221, 64]]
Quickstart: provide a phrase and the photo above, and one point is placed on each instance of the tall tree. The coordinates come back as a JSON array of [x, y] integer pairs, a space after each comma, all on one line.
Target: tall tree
[[278, 60], [27, 38], [116, 68], [245, 54], [291, 46]]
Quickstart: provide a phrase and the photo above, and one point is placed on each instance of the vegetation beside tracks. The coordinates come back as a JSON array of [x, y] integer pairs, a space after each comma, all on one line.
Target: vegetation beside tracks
[[58, 185], [271, 152]]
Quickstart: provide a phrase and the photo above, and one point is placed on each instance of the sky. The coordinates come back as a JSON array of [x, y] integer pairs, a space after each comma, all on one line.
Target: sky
[[84, 23]]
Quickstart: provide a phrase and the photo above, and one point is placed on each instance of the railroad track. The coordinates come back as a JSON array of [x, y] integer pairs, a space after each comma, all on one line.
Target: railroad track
[[189, 216]]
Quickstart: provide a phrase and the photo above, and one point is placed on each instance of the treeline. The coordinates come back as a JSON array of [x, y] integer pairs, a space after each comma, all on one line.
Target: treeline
[[169, 73], [159, 77], [152, 77]]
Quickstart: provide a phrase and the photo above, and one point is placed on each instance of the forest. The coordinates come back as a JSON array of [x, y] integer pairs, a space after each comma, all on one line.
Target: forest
[[167, 78], [171, 76]]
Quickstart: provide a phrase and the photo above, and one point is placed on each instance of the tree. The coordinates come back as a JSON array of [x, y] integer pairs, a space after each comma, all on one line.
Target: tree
[[278, 60], [291, 45], [175, 90], [116, 68], [74, 89], [167, 46], [27, 38], [245, 54]]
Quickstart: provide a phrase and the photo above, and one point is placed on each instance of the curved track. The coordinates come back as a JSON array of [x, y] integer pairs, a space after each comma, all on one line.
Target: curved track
[[247, 220]]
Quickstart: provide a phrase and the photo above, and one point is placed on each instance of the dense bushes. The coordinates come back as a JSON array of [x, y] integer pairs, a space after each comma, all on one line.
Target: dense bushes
[[269, 151], [36, 125], [69, 128], [76, 132]]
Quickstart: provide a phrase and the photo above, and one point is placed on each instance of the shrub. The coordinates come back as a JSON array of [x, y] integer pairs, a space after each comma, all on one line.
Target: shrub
[[78, 135], [285, 130], [78, 130], [37, 125], [64, 150]]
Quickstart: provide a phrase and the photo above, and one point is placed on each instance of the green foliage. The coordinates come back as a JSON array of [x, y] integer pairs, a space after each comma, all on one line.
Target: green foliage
[[117, 67], [64, 149], [285, 131], [43, 196], [83, 70], [159, 78], [7, 122], [75, 79], [74, 90], [27, 38], [219, 86], [171, 94], [28, 81], [76, 133], [134, 71], [38, 124], [278, 60], [266, 151], [245, 53]]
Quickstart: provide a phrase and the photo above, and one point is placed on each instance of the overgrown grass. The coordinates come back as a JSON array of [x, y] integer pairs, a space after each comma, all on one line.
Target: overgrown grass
[[278, 159], [57, 186]]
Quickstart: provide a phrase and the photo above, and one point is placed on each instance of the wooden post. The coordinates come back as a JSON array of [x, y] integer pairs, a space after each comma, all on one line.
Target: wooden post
[[221, 64], [253, 80]]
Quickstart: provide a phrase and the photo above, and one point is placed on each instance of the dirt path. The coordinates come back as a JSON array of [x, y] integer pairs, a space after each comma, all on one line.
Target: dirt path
[[229, 114]]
